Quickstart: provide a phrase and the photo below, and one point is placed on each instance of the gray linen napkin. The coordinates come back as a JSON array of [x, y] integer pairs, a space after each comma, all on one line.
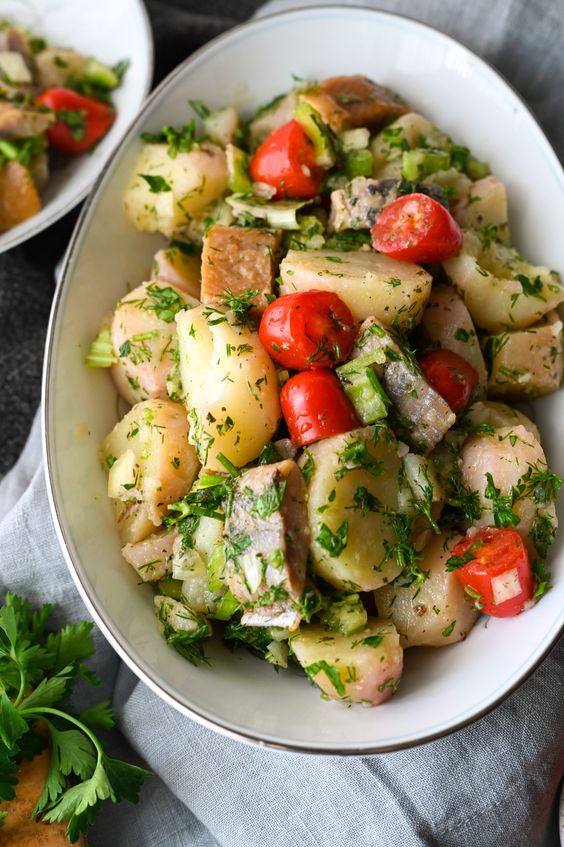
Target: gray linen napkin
[[492, 783]]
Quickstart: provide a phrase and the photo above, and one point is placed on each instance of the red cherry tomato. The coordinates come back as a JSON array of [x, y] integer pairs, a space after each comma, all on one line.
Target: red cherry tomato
[[309, 329], [496, 575], [286, 160], [315, 406], [450, 375], [82, 120], [416, 228]]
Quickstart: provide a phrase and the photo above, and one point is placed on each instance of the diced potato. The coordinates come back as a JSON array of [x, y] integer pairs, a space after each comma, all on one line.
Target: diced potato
[[174, 266], [178, 189], [528, 362], [271, 117], [508, 455], [372, 285], [436, 613], [499, 415], [13, 67], [484, 203], [231, 387], [351, 535], [361, 668], [56, 65], [456, 181], [144, 339], [19, 199], [406, 132], [151, 464], [447, 323], [179, 616], [485, 273], [220, 126]]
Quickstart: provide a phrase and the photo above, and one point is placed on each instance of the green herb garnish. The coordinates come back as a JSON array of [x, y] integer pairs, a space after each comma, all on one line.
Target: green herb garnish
[[37, 673]]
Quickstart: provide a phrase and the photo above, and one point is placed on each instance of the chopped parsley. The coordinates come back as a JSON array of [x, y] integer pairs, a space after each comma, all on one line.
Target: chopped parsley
[[356, 456], [270, 500], [448, 630], [333, 542], [157, 184], [502, 505], [179, 140], [330, 671]]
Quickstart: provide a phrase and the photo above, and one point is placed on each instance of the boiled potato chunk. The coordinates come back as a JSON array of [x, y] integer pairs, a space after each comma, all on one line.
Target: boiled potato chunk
[[499, 415], [528, 362], [143, 337], [436, 613], [151, 464], [56, 65], [353, 478], [230, 384], [165, 193], [509, 455], [484, 204], [405, 132], [361, 668], [447, 323], [372, 285], [486, 276], [175, 267]]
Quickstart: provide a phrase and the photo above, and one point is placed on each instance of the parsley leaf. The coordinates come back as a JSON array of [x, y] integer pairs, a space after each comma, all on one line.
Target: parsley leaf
[[502, 505], [357, 456], [157, 184], [179, 140], [270, 500], [333, 542], [36, 675], [330, 671]]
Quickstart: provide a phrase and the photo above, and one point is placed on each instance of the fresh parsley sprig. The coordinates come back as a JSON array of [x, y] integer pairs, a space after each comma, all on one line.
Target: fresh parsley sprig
[[37, 674]]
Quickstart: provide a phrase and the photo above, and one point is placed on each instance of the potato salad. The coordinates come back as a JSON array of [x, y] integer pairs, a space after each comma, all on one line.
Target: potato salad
[[55, 104], [321, 461]]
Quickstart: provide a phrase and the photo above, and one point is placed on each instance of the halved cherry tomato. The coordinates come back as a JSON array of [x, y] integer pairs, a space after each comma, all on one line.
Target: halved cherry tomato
[[496, 575], [82, 121], [450, 375], [286, 160], [416, 228], [315, 406], [309, 329]]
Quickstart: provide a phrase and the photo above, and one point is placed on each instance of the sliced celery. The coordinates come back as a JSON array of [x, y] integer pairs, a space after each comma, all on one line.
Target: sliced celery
[[419, 163], [317, 132], [345, 615], [363, 389], [358, 163], [101, 353]]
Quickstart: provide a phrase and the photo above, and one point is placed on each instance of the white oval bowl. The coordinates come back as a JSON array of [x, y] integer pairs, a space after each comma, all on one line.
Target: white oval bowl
[[239, 695], [93, 29]]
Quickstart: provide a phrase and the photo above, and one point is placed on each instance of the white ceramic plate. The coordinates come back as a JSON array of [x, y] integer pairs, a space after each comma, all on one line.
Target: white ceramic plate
[[240, 695], [110, 31]]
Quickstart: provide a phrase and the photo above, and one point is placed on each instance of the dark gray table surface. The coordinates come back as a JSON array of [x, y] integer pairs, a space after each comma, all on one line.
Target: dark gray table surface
[[27, 272]]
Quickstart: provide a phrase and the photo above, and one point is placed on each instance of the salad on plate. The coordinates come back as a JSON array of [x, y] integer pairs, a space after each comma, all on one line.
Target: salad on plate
[[321, 457], [55, 104]]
